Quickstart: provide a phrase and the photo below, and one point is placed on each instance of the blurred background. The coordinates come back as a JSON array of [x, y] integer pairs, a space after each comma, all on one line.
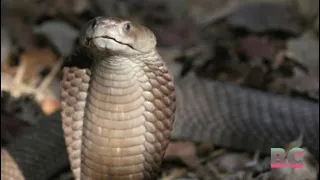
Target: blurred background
[[270, 45]]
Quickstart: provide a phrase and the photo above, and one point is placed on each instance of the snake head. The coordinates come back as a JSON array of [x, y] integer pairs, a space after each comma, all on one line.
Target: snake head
[[117, 36]]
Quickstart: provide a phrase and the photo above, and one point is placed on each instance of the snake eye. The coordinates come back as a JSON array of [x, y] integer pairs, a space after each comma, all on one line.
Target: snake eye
[[127, 27]]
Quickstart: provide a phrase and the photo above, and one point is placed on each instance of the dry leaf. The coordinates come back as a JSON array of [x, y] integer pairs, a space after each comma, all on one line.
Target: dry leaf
[[232, 162], [266, 16], [185, 151], [305, 50], [35, 61], [50, 106], [254, 46]]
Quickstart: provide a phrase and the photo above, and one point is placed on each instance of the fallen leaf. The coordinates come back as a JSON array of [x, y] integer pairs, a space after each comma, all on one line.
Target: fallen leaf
[[185, 151], [61, 34], [50, 106], [308, 9], [254, 46], [305, 50], [261, 17], [231, 162], [174, 174], [36, 60]]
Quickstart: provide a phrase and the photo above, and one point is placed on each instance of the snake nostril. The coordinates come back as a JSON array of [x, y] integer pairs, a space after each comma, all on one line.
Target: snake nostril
[[94, 23]]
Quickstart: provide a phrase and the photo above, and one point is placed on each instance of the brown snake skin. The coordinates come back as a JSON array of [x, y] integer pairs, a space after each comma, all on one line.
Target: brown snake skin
[[118, 116], [9, 167]]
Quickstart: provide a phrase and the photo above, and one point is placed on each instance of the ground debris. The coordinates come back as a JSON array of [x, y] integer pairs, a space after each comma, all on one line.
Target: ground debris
[[265, 17]]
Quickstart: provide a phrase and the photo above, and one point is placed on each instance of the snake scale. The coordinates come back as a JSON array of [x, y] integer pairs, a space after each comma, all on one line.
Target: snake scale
[[207, 111]]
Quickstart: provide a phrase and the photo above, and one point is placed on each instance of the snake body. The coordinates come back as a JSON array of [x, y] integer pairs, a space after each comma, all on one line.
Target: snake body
[[207, 111], [118, 115], [241, 118], [38, 154]]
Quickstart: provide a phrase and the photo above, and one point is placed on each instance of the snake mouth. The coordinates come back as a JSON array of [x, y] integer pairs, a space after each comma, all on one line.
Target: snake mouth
[[111, 38]]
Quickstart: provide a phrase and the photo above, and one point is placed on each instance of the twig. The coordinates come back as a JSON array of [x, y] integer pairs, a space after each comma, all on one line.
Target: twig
[[220, 14], [20, 73], [48, 79]]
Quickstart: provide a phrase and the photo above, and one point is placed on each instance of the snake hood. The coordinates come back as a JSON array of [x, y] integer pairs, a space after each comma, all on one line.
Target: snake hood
[[117, 37], [118, 113]]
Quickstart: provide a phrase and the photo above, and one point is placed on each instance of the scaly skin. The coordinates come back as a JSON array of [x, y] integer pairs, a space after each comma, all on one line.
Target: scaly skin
[[9, 167], [117, 115]]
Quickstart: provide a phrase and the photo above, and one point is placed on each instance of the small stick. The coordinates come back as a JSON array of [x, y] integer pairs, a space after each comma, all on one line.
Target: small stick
[[231, 6], [20, 73], [48, 79]]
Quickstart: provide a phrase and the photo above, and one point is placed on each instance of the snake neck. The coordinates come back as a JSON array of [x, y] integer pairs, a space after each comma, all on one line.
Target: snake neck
[[128, 117], [118, 75]]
